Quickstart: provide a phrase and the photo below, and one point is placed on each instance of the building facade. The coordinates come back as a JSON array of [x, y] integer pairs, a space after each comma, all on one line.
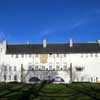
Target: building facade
[[60, 63]]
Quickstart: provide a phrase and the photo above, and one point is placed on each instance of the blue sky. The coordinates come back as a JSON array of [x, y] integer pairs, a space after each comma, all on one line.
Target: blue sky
[[55, 20]]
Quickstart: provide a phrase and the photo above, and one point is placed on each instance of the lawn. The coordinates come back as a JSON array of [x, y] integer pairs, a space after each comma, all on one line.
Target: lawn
[[49, 91]]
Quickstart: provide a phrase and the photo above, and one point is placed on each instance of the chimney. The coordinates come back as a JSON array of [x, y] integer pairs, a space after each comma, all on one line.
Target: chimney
[[98, 41], [70, 42], [44, 43]]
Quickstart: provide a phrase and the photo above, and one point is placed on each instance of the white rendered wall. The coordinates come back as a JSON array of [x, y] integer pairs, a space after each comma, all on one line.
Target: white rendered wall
[[90, 63]]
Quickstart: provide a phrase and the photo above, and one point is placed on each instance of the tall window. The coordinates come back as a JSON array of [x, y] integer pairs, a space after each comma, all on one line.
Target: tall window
[[82, 55], [10, 68], [36, 55], [91, 55], [50, 67], [5, 68], [57, 67], [64, 55], [16, 56], [57, 54], [22, 55], [15, 77], [36, 67], [30, 67], [12, 55], [9, 77], [43, 67], [96, 55], [29, 55], [14, 68], [5, 78], [1, 49], [64, 67]]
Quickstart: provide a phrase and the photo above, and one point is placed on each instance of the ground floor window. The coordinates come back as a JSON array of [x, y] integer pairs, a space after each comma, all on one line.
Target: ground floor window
[[15, 77], [9, 77], [5, 78]]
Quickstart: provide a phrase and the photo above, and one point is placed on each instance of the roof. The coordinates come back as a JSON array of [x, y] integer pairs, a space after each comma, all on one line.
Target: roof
[[53, 48]]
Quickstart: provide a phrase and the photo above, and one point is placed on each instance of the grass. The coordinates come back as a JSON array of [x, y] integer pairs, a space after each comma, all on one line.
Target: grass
[[49, 91]]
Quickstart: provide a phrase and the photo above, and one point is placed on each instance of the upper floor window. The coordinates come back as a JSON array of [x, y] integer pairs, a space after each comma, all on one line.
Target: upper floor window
[[30, 67], [57, 67], [36, 55], [64, 67], [82, 55], [14, 68], [96, 55], [36, 67], [57, 54], [9, 77], [12, 55], [22, 55], [16, 56], [86, 55], [50, 67], [43, 67], [10, 68], [91, 55], [64, 55], [5, 68], [30, 55]]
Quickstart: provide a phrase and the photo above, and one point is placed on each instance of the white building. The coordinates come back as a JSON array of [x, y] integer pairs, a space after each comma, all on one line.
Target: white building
[[55, 62]]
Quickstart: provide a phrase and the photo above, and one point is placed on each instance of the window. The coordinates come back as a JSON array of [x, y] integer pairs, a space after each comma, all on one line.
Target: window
[[50, 67], [5, 68], [82, 55], [14, 68], [29, 55], [61, 69], [64, 67], [86, 55], [64, 55], [15, 77], [91, 55], [10, 68], [5, 78], [57, 54], [96, 55], [82, 78], [36, 67], [1, 49], [30, 67], [46, 68], [57, 67], [36, 55], [22, 55], [12, 55], [16, 56], [96, 78], [91, 79], [43, 67], [9, 77]]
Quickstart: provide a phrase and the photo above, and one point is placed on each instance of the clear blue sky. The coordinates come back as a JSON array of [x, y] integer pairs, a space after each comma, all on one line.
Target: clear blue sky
[[55, 20]]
